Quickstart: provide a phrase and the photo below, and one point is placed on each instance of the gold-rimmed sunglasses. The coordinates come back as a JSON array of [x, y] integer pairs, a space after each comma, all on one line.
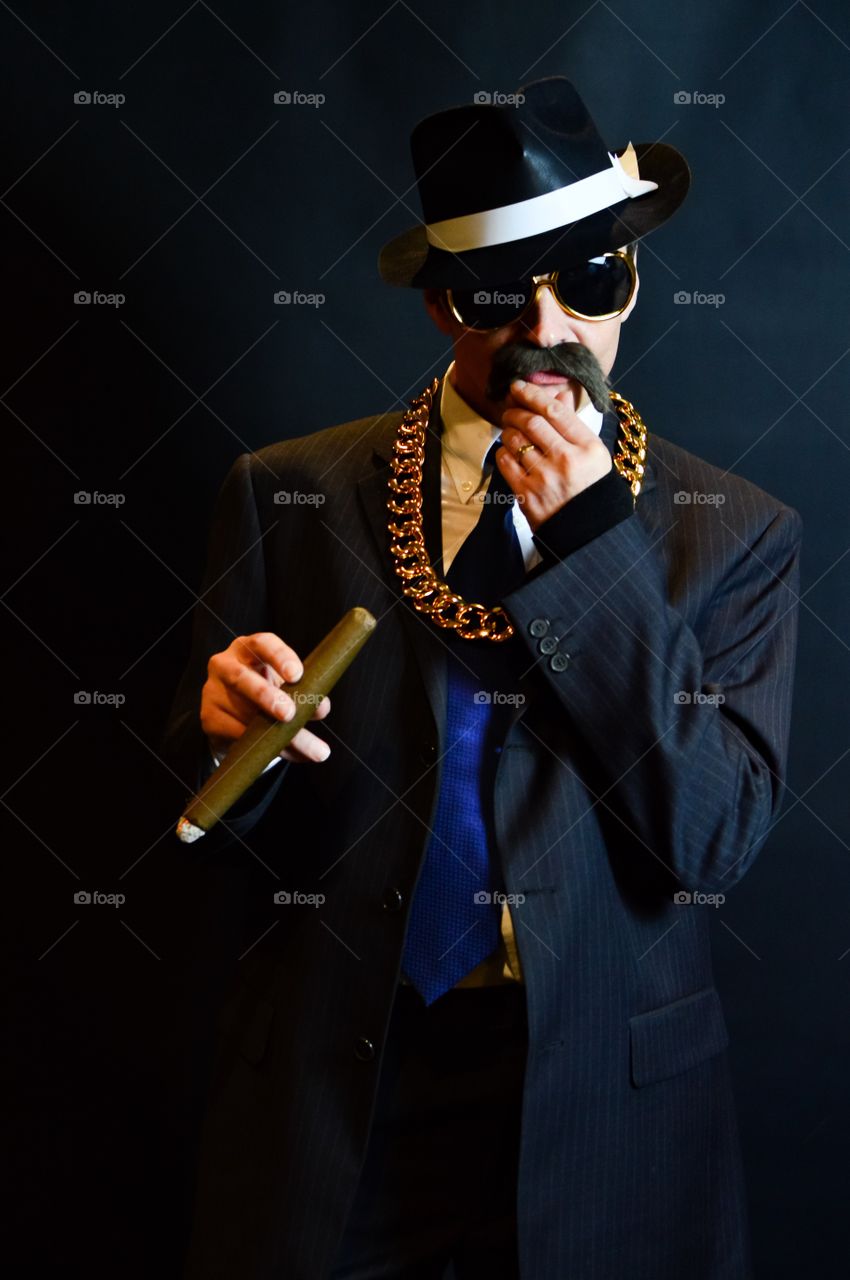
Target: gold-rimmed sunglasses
[[598, 289]]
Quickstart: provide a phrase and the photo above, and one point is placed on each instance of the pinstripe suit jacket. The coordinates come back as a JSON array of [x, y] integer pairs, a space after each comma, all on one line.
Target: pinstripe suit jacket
[[614, 793]]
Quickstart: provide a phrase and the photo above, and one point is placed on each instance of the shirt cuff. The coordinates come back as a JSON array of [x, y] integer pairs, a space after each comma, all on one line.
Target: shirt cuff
[[218, 759], [593, 511]]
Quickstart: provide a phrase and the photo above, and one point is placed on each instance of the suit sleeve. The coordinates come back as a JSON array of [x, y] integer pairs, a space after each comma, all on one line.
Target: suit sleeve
[[689, 738], [233, 601]]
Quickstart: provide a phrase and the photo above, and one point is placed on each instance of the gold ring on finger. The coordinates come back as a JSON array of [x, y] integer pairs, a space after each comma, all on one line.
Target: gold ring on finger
[[524, 448]]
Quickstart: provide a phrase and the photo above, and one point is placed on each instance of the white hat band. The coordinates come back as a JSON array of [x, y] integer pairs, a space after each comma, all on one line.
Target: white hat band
[[540, 213]]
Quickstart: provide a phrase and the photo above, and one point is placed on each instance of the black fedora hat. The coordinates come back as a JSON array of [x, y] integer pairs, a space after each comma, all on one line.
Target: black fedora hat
[[524, 185]]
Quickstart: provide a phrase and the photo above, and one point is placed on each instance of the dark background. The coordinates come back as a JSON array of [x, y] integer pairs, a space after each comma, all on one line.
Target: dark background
[[197, 199]]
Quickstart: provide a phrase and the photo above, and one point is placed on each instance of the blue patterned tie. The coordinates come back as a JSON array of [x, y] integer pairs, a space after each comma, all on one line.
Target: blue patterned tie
[[449, 931]]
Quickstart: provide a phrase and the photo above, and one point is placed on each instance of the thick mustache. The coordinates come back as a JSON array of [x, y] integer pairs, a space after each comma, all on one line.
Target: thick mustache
[[572, 359]]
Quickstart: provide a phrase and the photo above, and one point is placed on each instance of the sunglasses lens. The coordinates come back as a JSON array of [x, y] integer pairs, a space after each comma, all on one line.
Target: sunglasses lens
[[598, 287], [491, 308]]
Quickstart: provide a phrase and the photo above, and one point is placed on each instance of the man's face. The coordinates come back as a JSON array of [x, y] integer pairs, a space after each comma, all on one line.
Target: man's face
[[543, 324]]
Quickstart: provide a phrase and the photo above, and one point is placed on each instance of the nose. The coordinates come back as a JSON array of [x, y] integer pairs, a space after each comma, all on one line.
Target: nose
[[545, 322]]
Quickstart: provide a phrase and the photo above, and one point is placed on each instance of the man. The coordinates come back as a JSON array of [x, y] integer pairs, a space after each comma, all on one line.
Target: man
[[483, 1033]]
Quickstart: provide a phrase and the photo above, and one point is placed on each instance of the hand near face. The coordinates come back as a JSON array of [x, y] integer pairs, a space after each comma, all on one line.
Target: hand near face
[[567, 458]]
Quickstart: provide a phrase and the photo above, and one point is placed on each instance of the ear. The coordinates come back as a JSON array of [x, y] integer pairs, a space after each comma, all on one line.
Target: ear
[[438, 309]]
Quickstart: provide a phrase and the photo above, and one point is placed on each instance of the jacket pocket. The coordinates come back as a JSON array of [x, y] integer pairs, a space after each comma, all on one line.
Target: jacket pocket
[[677, 1036]]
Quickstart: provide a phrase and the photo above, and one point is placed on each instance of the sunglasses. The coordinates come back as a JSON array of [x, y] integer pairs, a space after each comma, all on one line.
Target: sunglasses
[[595, 290]]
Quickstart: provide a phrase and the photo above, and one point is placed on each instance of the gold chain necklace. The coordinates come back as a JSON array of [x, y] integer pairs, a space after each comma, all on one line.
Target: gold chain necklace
[[430, 594]]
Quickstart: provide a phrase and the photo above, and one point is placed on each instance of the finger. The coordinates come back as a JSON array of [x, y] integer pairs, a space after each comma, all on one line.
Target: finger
[[554, 412], [572, 396], [512, 469], [221, 728], [516, 443], [266, 647], [528, 395], [224, 730], [550, 434], [249, 684], [274, 701], [521, 426], [306, 746], [234, 703], [547, 446], [322, 709]]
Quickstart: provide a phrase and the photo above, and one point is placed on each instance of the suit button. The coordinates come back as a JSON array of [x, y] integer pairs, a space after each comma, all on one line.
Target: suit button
[[538, 627], [428, 752], [559, 661], [548, 644], [393, 899], [364, 1049]]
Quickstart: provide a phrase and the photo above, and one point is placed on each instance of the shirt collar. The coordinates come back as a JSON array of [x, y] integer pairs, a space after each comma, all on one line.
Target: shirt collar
[[467, 437]]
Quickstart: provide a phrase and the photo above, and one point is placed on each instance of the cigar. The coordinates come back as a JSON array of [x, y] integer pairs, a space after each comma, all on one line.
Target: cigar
[[265, 737]]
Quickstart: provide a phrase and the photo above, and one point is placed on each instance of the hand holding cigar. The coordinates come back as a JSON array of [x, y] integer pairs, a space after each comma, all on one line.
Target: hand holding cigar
[[276, 717], [249, 676]]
